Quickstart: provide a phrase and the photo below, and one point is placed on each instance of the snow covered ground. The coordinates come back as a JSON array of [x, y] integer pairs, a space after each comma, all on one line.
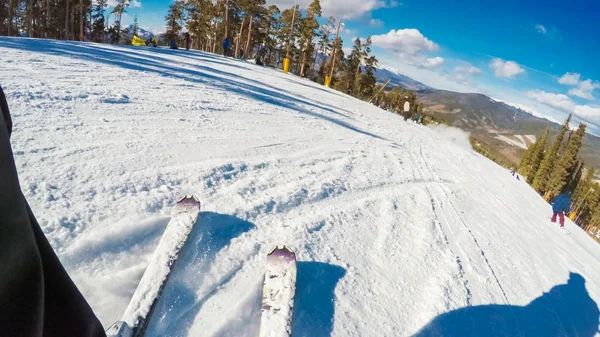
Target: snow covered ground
[[395, 225]]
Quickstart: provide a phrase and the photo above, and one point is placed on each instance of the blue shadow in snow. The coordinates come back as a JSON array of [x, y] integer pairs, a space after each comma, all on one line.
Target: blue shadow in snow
[[566, 310], [314, 305], [131, 58], [178, 305]]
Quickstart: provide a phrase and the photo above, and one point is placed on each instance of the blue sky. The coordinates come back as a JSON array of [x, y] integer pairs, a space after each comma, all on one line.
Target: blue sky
[[542, 55]]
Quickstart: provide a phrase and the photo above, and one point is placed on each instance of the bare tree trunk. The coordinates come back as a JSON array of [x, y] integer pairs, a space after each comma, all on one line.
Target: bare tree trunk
[[337, 34], [30, 18], [10, 18], [247, 53], [72, 28], [67, 21], [47, 18], [303, 62], [226, 18], [119, 25], [81, 20], [239, 38]]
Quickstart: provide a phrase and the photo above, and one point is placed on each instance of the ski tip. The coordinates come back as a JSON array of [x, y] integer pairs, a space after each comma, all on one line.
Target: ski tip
[[282, 252], [119, 329], [188, 203]]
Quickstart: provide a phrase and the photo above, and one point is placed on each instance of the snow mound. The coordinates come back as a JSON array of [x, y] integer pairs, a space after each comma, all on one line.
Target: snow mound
[[397, 229]]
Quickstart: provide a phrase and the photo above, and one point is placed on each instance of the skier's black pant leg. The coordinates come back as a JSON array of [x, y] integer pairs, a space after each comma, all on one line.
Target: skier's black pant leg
[[37, 296]]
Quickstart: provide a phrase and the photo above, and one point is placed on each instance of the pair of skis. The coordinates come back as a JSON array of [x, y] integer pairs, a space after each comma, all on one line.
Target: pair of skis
[[278, 288]]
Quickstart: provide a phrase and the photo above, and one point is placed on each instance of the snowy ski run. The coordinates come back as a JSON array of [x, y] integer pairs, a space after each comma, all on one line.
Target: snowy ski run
[[398, 228]]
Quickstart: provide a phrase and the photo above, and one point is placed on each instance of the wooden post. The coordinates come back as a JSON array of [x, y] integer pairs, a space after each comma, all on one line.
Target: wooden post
[[67, 22], [247, 50], [380, 90], [226, 18], [81, 18], [237, 45], [287, 52], [10, 18], [337, 34]]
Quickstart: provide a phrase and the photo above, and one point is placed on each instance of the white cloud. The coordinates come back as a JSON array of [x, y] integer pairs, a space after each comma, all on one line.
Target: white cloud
[[409, 46], [564, 103], [408, 41], [569, 79], [585, 89], [557, 101], [508, 69], [342, 9], [433, 62], [375, 23], [467, 68], [132, 3], [541, 29]]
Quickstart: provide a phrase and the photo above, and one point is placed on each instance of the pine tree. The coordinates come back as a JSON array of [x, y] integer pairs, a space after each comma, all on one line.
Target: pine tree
[[98, 18], [350, 66], [586, 207], [574, 179], [566, 164], [542, 176], [289, 31], [367, 80], [535, 154], [308, 32], [595, 216], [174, 19], [118, 11], [271, 26], [582, 194], [136, 26]]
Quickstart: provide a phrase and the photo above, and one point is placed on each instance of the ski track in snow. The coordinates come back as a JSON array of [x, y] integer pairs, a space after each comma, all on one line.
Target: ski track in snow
[[393, 223]]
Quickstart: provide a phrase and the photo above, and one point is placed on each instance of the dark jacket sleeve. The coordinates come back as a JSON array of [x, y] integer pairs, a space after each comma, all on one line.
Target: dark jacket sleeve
[[37, 296]]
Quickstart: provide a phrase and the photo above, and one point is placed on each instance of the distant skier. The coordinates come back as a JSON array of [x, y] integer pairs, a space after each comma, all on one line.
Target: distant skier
[[173, 44], [188, 41], [226, 47], [37, 296], [560, 205], [417, 117], [406, 109]]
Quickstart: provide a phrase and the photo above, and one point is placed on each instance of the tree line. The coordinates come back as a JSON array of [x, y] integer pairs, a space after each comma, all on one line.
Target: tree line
[[269, 35], [83, 20], [255, 30], [558, 168]]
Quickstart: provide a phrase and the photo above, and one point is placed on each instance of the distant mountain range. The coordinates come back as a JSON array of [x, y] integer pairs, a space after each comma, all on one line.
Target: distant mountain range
[[142, 33], [506, 126], [397, 78]]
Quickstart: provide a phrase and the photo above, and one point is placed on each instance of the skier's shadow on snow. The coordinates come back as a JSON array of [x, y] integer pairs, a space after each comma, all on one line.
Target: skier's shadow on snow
[[566, 310], [179, 304], [315, 295]]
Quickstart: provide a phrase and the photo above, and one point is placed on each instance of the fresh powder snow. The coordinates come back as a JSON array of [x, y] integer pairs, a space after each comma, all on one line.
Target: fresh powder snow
[[397, 227]]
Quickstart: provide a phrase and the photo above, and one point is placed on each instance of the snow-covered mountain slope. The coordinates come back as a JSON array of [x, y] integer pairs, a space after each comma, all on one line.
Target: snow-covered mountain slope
[[395, 225]]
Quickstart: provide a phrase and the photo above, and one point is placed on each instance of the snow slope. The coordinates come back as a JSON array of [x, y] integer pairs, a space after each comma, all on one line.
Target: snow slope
[[397, 227]]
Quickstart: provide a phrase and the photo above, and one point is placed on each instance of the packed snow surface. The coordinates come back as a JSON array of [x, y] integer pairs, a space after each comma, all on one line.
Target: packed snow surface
[[398, 228]]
